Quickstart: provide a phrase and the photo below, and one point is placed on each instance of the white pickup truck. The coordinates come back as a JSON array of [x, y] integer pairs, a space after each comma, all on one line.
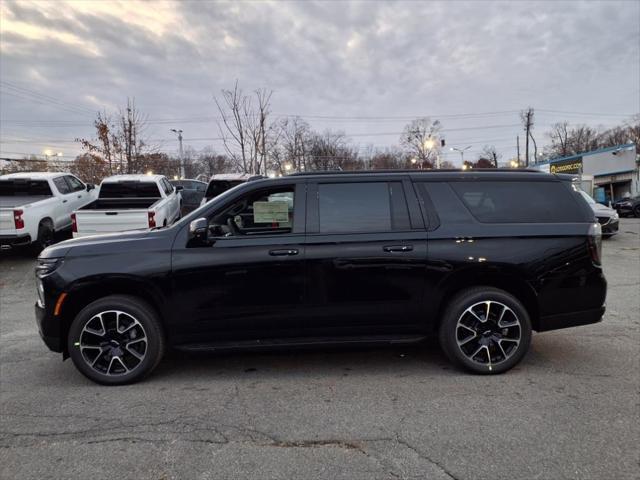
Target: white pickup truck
[[35, 206], [129, 202]]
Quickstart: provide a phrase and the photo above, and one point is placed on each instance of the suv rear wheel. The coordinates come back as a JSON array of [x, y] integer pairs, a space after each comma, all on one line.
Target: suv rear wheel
[[116, 340], [485, 330]]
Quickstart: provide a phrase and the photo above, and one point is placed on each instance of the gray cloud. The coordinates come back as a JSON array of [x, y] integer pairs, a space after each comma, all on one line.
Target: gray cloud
[[381, 59]]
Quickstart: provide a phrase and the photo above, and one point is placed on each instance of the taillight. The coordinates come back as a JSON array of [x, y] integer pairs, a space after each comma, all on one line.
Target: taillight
[[152, 219], [74, 223], [18, 221], [595, 243]]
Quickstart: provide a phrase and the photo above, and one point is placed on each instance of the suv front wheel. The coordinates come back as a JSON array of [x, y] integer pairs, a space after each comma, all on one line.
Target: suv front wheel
[[116, 340], [485, 330]]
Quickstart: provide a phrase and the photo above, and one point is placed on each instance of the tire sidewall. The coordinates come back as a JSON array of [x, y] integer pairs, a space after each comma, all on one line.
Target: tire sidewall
[[458, 305], [140, 311]]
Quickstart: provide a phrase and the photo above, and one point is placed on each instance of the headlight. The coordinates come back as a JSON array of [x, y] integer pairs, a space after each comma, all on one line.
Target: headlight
[[46, 266], [616, 216], [40, 290]]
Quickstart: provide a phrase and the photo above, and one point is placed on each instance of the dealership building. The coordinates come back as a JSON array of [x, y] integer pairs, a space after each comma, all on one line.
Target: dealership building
[[611, 172]]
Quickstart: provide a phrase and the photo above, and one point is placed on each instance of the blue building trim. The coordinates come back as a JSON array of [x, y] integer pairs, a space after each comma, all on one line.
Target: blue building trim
[[592, 152]]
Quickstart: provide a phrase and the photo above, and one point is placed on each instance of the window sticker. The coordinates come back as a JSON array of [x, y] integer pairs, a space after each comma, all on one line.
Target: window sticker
[[270, 212]]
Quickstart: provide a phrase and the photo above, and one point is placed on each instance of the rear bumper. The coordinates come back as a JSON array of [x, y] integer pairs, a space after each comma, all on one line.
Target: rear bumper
[[15, 240], [47, 329], [574, 319]]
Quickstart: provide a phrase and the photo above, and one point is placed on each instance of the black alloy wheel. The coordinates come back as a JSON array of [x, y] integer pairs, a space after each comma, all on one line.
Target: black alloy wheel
[[485, 330], [116, 340]]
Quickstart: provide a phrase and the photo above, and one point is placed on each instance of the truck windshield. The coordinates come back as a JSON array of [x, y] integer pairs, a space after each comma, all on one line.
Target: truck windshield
[[24, 187], [216, 187], [129, 190]]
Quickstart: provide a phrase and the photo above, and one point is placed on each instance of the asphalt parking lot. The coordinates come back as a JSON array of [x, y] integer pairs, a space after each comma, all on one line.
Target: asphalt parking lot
[[571, 409]]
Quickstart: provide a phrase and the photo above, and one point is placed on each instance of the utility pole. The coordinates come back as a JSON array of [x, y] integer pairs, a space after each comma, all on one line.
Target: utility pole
[[518, 144], [179, 132], [535, 148], [527, 119]]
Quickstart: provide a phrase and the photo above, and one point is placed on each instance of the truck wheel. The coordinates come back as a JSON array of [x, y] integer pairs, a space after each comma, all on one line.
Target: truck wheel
[[116, 340], [46, 236], [485, 330]]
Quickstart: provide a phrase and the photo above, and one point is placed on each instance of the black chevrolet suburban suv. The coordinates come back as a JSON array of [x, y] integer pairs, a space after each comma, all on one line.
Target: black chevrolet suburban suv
[[479, 259]]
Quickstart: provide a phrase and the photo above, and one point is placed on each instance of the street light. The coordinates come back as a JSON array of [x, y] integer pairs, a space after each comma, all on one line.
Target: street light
[[179, 132], [461, 151]]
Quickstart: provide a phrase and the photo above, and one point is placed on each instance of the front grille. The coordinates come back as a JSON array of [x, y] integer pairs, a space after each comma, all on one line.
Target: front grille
[[603, 220]]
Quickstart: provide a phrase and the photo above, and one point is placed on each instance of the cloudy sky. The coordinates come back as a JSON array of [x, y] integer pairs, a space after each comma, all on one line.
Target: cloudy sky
[[365, 68]]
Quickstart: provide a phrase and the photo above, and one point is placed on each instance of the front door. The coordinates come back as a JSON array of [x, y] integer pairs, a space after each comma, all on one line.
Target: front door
[[366, 256], [248, 281]]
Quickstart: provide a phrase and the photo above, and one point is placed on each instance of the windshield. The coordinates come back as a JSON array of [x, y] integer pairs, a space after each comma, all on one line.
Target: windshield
[[24, 187], [587, 197], [216, 187]]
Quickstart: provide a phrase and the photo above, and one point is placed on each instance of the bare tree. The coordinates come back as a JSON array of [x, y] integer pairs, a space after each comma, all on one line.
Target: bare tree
[[119, 144], [567, 140], [331, 151], [420, 141], [209, 163], [244, 127], [90, 168], [388, 159], [291, 145], [490, 153]]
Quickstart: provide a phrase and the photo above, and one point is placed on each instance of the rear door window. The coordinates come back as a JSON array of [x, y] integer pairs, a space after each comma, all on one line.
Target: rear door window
[[362, 207], [519, 202]]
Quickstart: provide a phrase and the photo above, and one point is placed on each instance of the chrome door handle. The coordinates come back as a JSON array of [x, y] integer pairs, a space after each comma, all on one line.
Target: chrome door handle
[[283, 252], [398, 248], [64, 201]]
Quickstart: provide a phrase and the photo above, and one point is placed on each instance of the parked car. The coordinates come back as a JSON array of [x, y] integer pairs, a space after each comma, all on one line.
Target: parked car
[[128, 202], [35, 206], [628, 207], [607, 217], [336, 258], [222, 182], [192, 193]]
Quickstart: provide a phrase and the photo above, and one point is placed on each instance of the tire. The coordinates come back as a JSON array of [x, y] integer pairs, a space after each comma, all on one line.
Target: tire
[[636, 211], [116, 340], [46, 236], [480, 345]]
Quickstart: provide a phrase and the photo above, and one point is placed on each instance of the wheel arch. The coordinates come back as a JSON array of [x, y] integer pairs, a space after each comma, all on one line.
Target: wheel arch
[[84, 292], [509, 281]]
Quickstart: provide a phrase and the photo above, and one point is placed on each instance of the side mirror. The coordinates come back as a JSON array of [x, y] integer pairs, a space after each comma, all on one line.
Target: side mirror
[[90, 186], [198, 229]]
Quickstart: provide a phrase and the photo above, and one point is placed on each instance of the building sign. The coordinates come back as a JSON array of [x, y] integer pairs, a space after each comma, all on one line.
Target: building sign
[[573, 165]]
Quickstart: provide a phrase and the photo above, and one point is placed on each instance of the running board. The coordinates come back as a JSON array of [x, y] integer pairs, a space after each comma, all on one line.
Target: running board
[[300, 342]]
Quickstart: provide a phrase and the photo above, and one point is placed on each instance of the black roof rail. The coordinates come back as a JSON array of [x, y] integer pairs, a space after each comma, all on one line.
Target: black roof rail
[[413, 171]]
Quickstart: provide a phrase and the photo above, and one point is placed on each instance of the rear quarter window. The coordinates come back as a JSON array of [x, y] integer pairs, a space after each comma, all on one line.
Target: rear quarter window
[[519, 201]]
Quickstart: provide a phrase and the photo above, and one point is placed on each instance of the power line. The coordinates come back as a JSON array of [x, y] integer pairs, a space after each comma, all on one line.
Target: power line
[[43, 97]]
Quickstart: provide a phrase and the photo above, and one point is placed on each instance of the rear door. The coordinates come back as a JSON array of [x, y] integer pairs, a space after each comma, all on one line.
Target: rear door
[[366, 254]]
